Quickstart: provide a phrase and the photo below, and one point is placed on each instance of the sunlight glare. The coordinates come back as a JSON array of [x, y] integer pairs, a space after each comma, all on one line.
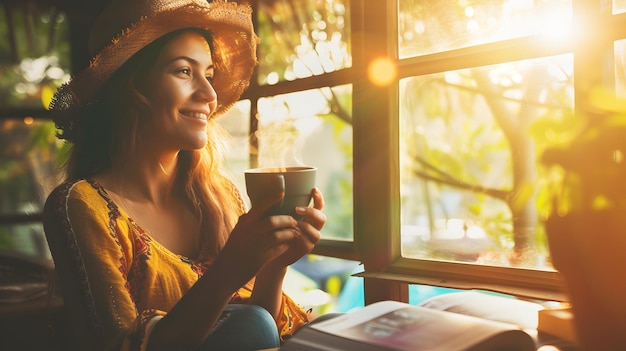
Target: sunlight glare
[[555, 27], [473, 26], [303, 107], [381, 71]]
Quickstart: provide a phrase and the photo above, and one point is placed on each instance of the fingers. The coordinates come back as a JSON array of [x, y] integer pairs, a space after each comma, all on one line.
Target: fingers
[[318, 199], [280, 236], [270, 237], [314, 219], [312, 216], [310, 235]]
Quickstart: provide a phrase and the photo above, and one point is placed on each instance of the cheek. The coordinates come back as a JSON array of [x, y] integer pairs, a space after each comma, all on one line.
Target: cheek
[[176, 95], [164, 92], [164, 101]]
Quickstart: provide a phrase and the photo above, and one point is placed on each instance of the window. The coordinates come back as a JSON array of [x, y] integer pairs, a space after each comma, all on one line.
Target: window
[[471, 140], [33, 63], [446, 104], [302, 98], [453, 143]]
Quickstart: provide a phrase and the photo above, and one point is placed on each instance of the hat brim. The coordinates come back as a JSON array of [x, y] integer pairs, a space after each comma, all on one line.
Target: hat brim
[[234, 52]]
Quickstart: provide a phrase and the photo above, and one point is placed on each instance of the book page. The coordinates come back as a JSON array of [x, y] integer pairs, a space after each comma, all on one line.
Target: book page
[[400, 326]]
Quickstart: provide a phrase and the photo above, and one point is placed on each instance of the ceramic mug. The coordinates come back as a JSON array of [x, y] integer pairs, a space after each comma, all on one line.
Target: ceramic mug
[[297, 182]]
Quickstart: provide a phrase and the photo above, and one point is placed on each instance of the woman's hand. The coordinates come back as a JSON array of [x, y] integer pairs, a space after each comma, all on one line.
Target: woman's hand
[[257, 240], [268, 285], [307, 233]]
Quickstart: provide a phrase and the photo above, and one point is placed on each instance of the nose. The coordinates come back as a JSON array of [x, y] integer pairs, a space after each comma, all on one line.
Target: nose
[[205, 92]]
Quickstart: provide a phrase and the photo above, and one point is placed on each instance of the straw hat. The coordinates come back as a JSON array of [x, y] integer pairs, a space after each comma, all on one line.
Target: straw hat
[[127, 26]]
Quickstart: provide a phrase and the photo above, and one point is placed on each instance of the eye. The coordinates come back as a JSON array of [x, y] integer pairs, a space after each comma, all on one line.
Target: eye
[[185, 71], [209, 78]]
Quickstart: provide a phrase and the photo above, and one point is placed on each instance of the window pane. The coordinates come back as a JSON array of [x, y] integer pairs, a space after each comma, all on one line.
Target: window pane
[[25, 239], [352, 296], [236, 122], [313, 128], [426, 27], [324, 284], [302, 38], [472, 186], [35, 59], [27, 165]]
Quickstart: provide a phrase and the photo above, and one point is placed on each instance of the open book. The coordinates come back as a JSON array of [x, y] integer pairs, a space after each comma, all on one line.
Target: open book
[[392, 325]]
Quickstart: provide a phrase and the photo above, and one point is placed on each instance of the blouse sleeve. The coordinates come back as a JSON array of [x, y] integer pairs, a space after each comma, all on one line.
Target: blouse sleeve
[[292, 318], [91, 261]]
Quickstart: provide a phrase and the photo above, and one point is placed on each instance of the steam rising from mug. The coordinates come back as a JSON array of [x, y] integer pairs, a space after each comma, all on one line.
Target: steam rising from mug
[[296, 182]]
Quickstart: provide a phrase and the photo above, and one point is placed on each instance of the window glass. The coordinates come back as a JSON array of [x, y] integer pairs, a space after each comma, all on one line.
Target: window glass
[[302, 38], [236, 123], [324, 284], [352, 297], [472, 185], [24, 239], [28, 151], [34, 57], [313, 128], [432, 26]]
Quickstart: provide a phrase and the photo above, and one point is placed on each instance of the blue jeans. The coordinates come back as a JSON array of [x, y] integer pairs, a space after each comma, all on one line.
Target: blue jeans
[[242, 328]]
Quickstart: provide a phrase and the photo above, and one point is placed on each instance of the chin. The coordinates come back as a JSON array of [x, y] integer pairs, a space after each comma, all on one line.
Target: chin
[[197, 145]]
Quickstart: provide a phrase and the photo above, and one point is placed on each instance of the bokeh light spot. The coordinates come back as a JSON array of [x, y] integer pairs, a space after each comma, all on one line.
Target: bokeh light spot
[[381, 71]]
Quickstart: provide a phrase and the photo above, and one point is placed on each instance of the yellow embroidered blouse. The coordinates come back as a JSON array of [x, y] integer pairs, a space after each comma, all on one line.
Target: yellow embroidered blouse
[[117, 282]]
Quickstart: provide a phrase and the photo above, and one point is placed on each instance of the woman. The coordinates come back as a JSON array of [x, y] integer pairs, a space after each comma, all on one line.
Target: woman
[[151, 242]]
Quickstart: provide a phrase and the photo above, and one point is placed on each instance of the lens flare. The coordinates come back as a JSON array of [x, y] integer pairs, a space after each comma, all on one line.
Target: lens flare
[[381, 71]]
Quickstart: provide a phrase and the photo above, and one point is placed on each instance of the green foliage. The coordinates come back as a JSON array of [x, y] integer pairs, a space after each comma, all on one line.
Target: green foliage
[[589, 168], [40, 58], [340, 210], [475, 146], [301, 38]]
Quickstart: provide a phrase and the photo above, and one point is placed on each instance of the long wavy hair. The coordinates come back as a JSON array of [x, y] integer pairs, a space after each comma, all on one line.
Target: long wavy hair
[[106, 131]]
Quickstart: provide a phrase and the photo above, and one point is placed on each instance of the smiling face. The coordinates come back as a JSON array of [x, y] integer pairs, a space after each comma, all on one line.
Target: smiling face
[[181, 96]]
